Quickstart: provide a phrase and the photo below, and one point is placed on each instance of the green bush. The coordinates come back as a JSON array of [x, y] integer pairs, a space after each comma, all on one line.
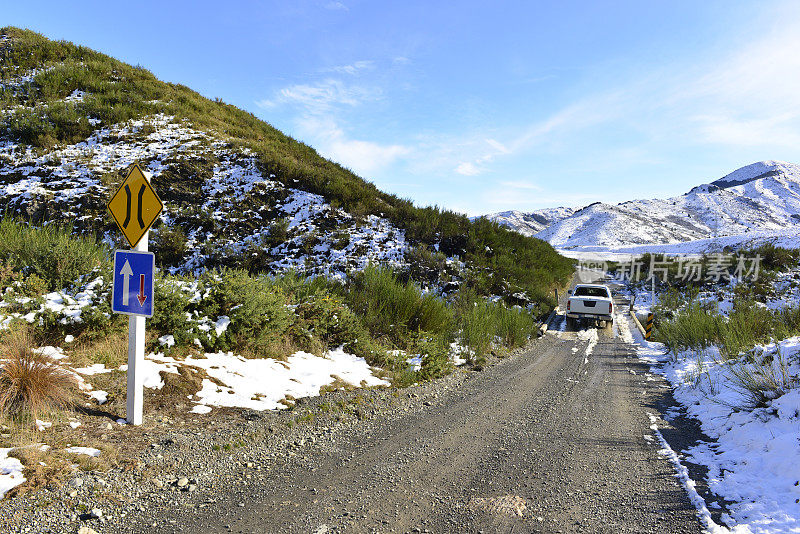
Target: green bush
[[256, 307], [694, 327], [51, 252], [395, 309], [435, 348], [171, 306], [169, 245]]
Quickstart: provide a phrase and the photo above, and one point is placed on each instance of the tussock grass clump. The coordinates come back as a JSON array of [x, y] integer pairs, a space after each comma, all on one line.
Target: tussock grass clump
[[762, 377], [31, 384]]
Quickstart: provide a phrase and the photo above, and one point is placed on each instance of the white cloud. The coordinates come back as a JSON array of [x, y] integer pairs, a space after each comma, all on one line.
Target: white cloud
[[336, 6], [518, 184], [353, 68], [322, 96], [467, 169], [363, 157]]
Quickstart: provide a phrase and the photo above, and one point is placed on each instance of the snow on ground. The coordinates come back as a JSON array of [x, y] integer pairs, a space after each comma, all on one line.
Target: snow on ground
[[261, 384], [754, 461], [10, 472], [88, 451], [590, 335]]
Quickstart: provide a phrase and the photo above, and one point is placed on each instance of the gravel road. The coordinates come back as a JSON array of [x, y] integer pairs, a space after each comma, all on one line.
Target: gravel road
[[548, 440]]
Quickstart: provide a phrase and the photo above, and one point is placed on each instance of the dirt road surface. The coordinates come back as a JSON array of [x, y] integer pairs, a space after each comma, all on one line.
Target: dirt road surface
[[552, 439]]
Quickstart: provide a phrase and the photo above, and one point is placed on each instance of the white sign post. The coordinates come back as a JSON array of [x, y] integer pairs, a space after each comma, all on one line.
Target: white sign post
[[134, 412], [135, 207]]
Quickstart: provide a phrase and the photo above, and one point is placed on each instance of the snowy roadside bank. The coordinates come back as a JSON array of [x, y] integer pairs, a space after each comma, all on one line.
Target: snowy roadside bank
[[753, 464]]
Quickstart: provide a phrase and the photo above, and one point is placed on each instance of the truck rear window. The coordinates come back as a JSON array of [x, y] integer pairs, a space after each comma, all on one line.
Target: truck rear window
[[582, 291]]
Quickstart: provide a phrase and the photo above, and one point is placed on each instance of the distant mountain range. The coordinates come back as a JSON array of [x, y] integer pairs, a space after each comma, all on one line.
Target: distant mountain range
[[762, 198]]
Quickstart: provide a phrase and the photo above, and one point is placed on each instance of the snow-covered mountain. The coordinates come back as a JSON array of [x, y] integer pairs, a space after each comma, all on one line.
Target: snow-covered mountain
[[761, 197], [530, 224]]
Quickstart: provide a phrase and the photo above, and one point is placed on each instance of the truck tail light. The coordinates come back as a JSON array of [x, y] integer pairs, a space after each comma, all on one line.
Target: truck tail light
[[609, 307], [568, 305]]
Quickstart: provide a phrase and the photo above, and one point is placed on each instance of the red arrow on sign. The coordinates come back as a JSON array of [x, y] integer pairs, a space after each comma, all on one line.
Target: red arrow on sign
[[142, 297]]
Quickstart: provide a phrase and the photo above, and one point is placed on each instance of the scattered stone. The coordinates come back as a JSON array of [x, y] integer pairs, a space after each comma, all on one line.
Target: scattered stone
[[191, 487], [86, 530], [158, 483], [96, 513], [182, 482], [76, 482]]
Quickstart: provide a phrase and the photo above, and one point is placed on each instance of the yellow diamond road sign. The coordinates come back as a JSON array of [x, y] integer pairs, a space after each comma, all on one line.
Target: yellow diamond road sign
[[135, 206]]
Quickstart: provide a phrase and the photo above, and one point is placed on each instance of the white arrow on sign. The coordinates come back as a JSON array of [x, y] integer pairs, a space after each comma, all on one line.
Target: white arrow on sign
[[126, 273]]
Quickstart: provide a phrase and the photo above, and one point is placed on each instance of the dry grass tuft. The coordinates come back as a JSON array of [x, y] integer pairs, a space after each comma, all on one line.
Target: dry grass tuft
[[31, 384], [42, 468]]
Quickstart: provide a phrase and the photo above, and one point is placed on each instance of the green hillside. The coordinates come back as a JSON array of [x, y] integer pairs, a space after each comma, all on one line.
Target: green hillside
[[39, 114]]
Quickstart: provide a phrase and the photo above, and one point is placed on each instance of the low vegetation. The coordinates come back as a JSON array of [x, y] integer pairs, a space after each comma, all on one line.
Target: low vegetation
[[32, 385], [380, 315], [688, 322]]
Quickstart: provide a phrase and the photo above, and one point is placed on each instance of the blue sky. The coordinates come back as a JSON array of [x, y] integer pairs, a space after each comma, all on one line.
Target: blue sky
[[481, 106]]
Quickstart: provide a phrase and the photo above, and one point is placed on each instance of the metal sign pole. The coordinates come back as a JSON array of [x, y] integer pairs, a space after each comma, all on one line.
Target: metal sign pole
[[136, 357]]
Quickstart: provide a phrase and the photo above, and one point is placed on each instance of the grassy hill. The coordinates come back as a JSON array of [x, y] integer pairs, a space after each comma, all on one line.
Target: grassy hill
[[287, 249], [40, 114]]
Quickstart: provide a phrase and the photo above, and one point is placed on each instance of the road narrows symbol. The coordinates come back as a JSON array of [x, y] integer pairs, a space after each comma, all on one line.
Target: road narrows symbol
[[139, 206], [135, 188], [128, 212]]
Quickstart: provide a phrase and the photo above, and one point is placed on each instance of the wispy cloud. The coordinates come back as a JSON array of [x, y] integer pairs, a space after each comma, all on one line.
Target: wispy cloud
[[322, 96], [336, 6], [363, 157], [519, 184], [318, 120], [467, 169], [354, 68]]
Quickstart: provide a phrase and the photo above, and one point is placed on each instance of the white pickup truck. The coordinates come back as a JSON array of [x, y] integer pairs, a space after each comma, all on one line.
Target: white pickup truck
[[590, 301]]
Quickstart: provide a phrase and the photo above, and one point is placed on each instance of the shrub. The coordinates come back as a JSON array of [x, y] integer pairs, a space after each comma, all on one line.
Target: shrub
[[256, 307], [52, 252], [391, 308], [31, 384], [169, 245], [327, 319], [171, 307], [436, 361], [514, 326], [692, 327], [476, 328]]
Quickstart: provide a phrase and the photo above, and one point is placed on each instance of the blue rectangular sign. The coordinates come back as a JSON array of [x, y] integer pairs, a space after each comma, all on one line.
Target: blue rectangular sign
[[133, 282]]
